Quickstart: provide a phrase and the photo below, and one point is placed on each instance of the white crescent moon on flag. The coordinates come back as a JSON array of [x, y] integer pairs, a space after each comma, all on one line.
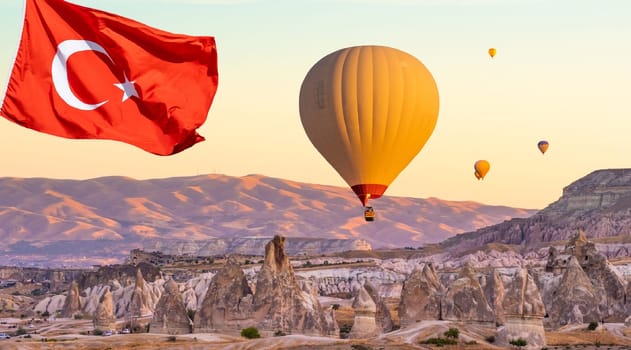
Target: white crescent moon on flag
[[60, 71]]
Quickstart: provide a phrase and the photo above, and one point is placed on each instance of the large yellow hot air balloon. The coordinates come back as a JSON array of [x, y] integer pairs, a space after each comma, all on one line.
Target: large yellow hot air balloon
[[369, 110], [481, 168], [492, 52], [543, 146]]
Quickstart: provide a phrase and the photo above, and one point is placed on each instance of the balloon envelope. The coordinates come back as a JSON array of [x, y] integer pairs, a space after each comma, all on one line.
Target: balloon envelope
[[369, 110], [481, 168], [543, 146], [492, 52]]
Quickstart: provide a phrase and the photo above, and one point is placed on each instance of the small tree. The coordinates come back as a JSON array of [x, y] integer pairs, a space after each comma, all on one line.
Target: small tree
[[191, 314], [250, 333], [452, 333], [520, 342], [336, 306], [592, 325]]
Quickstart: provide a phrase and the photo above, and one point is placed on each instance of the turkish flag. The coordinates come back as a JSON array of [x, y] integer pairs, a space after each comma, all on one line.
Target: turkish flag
[[82, 73]]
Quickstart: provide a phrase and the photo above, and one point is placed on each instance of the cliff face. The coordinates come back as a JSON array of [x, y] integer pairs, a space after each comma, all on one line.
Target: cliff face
[[252, 246], [599, 204]]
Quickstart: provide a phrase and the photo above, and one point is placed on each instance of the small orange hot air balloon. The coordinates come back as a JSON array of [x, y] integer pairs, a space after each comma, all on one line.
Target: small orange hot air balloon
[[492, 52], [481, 168], [543, 146]]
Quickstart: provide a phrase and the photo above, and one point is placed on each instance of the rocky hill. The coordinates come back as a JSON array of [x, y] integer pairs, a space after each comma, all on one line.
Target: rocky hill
[[53, 222], [599, 204]]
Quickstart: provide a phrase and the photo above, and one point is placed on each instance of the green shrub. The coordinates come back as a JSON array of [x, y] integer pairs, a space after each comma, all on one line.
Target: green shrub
[[78, 316], [439, 341], [490, 339], [592, 325], [250, 333], [97, 331], [279, 333], [171, 338], [360, 347], [20, 331], [520, 342], [452, 333], [45, 313], [336, 306]]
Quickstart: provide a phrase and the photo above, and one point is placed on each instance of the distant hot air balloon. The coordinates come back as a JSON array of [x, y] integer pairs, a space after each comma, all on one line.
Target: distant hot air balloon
[[492, 52], [481, 168], [543, 146], [369, 110]]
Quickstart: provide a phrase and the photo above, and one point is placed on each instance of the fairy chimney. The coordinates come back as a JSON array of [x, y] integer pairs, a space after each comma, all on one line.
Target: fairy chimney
[[170, 315]]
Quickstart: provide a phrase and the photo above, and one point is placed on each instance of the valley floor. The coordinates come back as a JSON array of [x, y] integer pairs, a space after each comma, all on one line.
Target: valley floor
[[65, 334]]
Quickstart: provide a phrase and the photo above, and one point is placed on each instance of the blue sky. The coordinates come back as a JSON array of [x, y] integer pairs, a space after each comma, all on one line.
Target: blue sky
[[561, 73]]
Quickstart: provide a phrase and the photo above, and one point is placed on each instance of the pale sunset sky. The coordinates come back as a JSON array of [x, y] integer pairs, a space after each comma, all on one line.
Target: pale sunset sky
[[562, 73]]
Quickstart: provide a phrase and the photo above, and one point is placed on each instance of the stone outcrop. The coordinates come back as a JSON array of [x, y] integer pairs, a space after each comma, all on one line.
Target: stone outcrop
[[227, 304], [104, 316], [599, 203], [574, 300], [382, 313], [124, 274], [465, 299], [140, 304], [522, 297], [523, 311], [252, 246], [494, 291], [364, 324], [170, 315], [608, 285], [280, 304], [421, 296], [72, 305]]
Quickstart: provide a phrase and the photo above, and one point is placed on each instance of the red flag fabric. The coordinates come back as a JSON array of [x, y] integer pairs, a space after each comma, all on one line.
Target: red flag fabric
[[81, 73]]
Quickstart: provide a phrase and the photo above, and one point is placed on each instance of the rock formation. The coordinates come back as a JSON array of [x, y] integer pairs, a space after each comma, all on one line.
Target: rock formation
[[139, 305], [574, 300], [124, 274], [364, 325], [421, 296], [382, 315], [170, 316], [465, 300], [609, 286], [598, 203], [104, 316], [494, 291], [279, 302], [252, 246], [228, 301], [72, 305], [523, 312]]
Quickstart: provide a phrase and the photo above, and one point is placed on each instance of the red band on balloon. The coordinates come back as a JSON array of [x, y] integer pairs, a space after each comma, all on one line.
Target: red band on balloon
[[368, 191]]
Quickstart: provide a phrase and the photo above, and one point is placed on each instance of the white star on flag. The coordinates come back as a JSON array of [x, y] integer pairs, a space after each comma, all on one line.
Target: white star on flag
[[128, 88]]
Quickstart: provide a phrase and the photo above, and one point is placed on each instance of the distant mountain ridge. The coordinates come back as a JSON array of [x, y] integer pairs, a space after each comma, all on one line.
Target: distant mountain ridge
[[598, 204], [109, 216]]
